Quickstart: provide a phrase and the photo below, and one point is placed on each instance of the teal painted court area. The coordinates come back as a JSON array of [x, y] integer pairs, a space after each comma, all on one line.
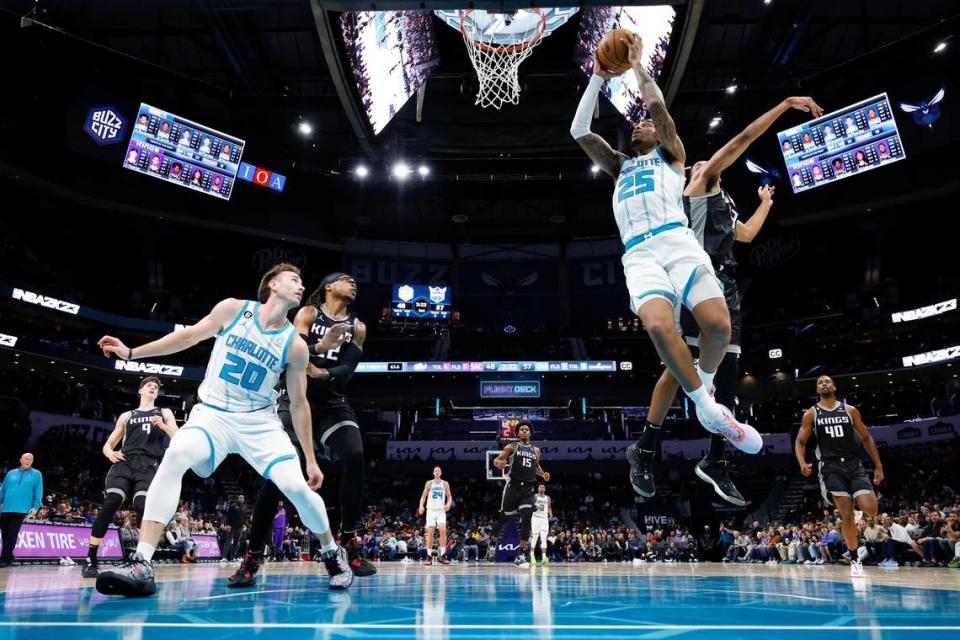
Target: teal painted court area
[[562, 602]]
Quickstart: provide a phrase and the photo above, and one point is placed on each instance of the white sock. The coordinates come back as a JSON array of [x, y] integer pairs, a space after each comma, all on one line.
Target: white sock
[[705, 378], [146, 550], [328, 546], [700, 397]]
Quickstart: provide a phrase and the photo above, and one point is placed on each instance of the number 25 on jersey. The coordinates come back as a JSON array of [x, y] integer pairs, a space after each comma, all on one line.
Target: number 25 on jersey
[[634, 184]]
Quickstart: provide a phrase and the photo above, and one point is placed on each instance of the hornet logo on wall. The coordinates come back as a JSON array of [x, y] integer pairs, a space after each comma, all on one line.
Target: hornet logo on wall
[[105, 125]]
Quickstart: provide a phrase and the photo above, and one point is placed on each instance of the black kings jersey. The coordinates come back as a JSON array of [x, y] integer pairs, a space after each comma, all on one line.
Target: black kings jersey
[[523, 463], [140, 438], [320, 392], [713, 218], [834, 431]]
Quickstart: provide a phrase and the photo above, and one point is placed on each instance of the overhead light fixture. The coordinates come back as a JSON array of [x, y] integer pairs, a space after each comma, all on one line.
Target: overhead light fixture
[[594, 169], [767, 1], [305, 129], [940, 46], [732, 87], [401, 170], [423, 170], [715, 122], [362, 171]]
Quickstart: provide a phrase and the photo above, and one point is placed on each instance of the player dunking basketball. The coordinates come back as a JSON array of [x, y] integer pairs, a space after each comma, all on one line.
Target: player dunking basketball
[[335, 337], [255, 344], [842, 475], [663, 263], [435, 501], [518, 494], [140, 433], [713, 217]]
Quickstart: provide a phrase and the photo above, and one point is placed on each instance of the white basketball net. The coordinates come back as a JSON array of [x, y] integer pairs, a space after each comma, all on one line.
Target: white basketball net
[[497, 64]]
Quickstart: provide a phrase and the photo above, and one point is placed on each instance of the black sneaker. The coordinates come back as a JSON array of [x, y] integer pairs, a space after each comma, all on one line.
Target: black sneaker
[[359, 565], [715, 472], [133, 579], [335, 561], [641, 470], [90, 570], [246, 573]]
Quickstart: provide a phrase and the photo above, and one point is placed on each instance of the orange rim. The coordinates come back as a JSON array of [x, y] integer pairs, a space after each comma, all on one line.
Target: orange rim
[[513, 48]]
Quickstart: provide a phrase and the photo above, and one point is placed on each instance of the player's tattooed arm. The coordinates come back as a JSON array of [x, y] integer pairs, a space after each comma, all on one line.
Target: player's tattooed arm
[[602, 154], [656, 105]]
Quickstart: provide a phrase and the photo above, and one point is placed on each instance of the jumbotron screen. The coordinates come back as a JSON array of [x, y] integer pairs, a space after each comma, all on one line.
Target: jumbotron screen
[[654, 24], [418, 301], [391, 53], [166, 146], [847, 142]]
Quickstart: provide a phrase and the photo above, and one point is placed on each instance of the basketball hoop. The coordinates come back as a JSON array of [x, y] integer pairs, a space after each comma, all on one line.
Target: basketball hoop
[[496, 50]]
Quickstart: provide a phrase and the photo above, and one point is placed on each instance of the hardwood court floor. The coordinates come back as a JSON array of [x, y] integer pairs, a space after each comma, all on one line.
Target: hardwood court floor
[[559, 601]]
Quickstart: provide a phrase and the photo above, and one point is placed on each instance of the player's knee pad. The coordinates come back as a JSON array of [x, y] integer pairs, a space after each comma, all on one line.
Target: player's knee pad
[[139, 504], [526, 515], [111, 504]]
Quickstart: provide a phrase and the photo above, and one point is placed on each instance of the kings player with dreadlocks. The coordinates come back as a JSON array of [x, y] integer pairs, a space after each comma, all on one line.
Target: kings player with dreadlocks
[[335, 337]]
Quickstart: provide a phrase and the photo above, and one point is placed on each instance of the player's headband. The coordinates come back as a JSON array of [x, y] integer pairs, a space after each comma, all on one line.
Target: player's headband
[[330, 279]]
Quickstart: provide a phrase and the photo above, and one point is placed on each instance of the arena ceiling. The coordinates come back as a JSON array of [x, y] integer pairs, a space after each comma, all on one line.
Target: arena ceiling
[[273, 65]]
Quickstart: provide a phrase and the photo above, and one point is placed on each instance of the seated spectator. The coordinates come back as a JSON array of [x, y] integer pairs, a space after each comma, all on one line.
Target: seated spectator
[[898, 546], [471, 548]]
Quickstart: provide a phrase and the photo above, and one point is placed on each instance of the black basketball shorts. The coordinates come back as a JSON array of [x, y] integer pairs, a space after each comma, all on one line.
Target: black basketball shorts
[[131, 477], [326, 421], [731, 293], [843, 477], [517, 495]]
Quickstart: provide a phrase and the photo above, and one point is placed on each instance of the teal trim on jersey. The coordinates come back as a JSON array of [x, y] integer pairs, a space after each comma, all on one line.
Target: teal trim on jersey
[[213, 406], [687, 287], [256, 319], [266, 472], [213, 450], [664, 158], [235, 320], [286, 348], [635, 240]]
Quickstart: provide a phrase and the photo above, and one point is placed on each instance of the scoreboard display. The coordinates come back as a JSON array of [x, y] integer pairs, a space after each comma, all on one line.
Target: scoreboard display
[[165, 146], [847, 142], [417, 301]]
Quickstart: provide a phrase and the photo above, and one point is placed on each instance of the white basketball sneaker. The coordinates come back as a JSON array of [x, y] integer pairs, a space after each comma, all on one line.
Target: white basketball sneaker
[[856, 568], [740, 434]]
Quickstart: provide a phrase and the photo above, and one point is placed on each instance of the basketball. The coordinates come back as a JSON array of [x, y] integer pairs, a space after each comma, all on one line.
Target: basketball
[[612, 52]]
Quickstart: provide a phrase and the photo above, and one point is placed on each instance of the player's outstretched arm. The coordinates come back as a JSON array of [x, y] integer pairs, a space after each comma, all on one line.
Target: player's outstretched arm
[[800, 446], [728, 153], [656, 105], [747, 231], [219, 317], [300, 409], [593, 145], [868, 443]]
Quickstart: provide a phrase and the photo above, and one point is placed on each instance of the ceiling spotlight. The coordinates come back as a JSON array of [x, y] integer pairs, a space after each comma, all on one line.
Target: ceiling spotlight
[[594, 169], [401, 170], [362, 171], [715, 122], [423, 170], [732, 87], [940, 46], [767, 1], [305, 128]]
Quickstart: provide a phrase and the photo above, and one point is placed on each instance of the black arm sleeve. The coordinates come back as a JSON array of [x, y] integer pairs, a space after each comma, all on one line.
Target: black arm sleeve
[[341, 374]]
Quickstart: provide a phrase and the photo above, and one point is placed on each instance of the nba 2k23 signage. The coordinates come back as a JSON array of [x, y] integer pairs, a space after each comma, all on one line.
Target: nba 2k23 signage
[[105, 125], [925, 312], [45, 301], [930, 357], [149, 368]]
